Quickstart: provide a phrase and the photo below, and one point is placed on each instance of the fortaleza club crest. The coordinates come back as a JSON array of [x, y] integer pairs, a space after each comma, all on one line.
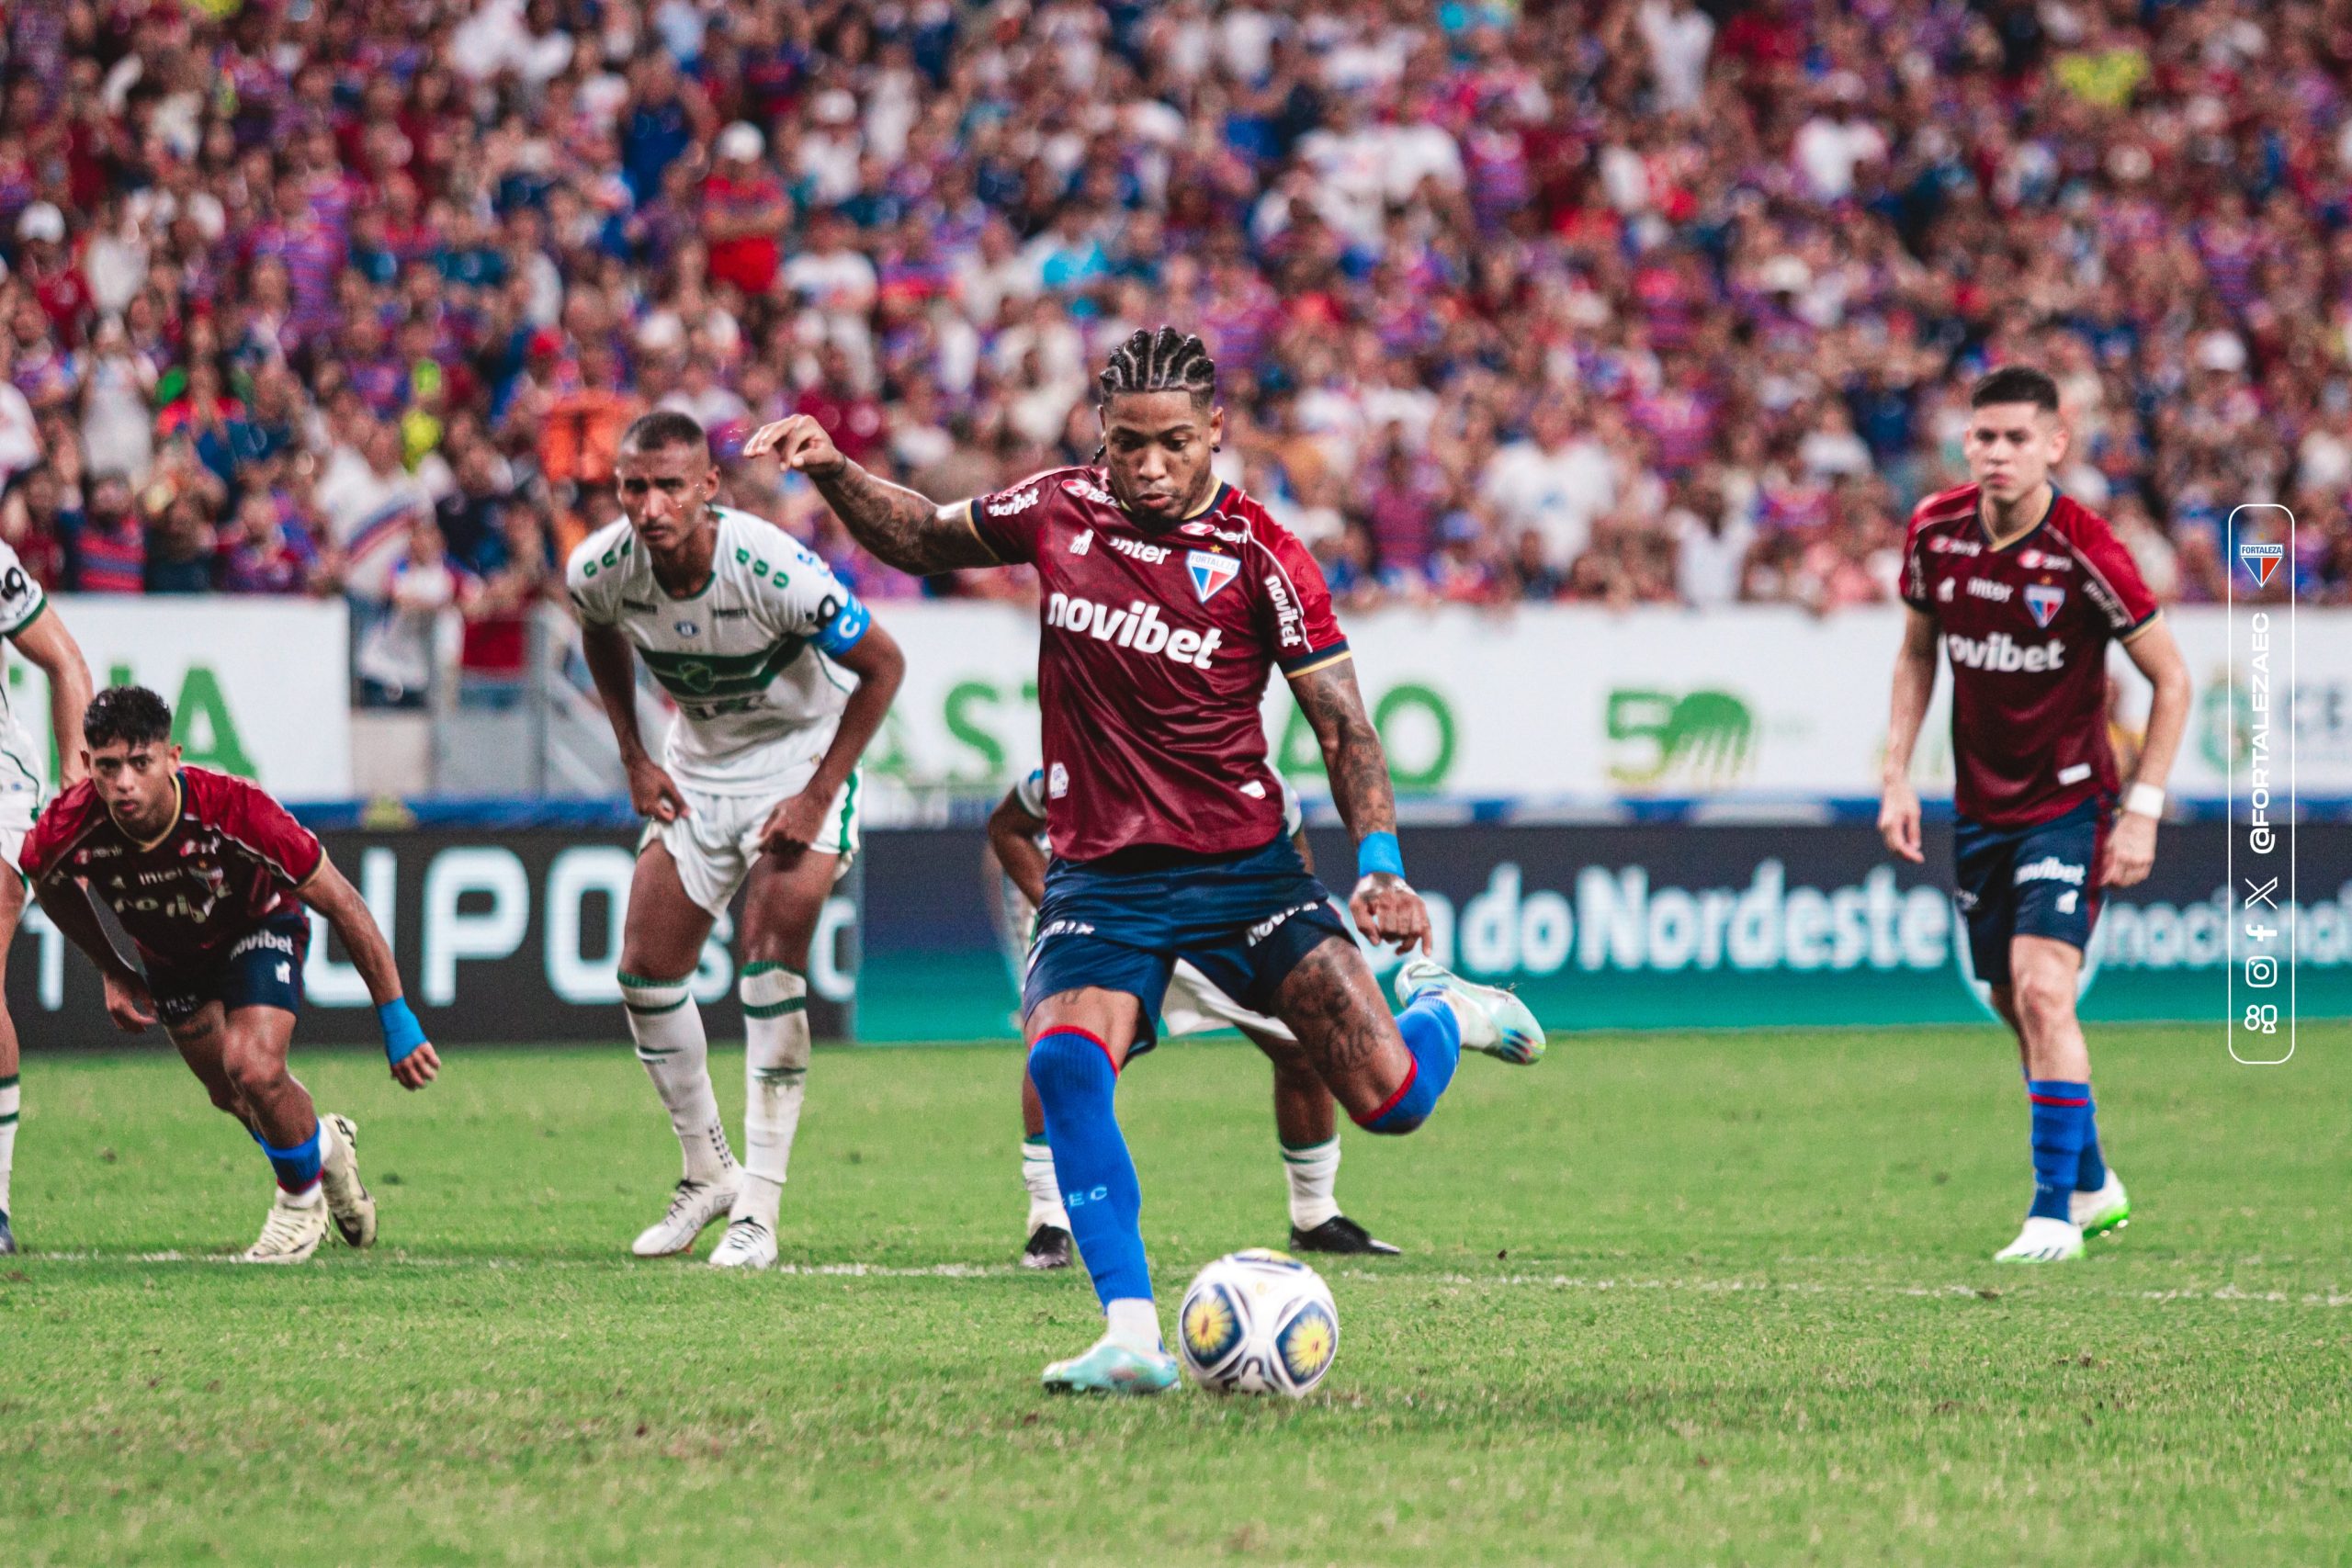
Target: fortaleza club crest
[[2042, 601], [1210, 573], [2261, 560]]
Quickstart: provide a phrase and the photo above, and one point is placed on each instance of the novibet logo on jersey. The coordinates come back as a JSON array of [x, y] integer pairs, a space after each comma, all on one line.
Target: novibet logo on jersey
[[2002, 651], [1137, 627]]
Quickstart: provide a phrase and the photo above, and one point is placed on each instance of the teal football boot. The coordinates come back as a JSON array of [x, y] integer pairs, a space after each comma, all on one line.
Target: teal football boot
[[1113, 1368], [1493, 1020]]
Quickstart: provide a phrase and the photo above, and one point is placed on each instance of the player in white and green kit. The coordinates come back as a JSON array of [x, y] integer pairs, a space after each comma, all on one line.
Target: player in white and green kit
[[27, 620], [781, 677]]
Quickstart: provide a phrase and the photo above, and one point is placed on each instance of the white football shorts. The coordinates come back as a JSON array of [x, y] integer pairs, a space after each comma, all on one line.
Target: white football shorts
[[716, 841]]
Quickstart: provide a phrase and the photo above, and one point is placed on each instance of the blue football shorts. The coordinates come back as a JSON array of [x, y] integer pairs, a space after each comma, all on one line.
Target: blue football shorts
[[262, 968], [1244, 920], [2040, 880]]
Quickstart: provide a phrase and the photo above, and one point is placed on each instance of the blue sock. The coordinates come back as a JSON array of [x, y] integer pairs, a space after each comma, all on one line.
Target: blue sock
[[2061, 1118], [297, 1167], [2090, 1175], [1075, 1083], [1434, 1037]]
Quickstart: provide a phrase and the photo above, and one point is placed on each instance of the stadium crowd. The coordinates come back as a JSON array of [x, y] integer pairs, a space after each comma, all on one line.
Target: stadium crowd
[[1621, 300]]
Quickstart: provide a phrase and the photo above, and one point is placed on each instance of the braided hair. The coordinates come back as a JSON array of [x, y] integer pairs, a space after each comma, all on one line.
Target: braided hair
[[1165, 361]]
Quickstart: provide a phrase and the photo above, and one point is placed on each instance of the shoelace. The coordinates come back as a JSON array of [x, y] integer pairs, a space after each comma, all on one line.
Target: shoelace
[[683, 1196], [284, 1224]]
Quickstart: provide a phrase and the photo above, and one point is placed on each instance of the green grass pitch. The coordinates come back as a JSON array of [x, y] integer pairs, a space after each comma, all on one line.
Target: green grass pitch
[[1681, 1299]]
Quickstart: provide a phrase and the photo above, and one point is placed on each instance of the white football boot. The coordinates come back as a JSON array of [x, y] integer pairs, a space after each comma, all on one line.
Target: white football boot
[[353, 1211], [693, 1205], [748, 1244], [2043, 1241], [290, 1235], [1493, 1020], [2108, 1209]]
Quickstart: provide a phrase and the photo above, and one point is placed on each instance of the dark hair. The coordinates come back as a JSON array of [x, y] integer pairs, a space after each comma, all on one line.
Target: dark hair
[[1165, 361], [663, 427], [132, 715], [2016, 384]]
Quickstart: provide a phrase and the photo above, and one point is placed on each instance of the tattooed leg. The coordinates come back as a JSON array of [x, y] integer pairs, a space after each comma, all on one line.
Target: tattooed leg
[[1334, 1006], [1387, 1071]]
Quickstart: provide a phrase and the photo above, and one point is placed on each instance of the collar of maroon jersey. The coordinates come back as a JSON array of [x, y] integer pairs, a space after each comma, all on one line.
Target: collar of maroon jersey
[[2044, 521], [179, 804], [1216, 500]]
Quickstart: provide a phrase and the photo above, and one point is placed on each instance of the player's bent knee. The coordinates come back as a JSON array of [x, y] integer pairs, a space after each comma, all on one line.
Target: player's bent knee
[[1064, 1063], [2042, 995], [1394, 1125], [254, 1072]]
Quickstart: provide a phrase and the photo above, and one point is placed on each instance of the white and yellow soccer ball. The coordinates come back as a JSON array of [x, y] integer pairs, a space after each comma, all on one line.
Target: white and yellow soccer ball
[[1257, 1321]]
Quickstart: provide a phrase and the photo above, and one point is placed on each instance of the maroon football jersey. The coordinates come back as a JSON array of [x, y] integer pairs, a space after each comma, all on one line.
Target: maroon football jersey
[[2025, 629], [231, 858], [1153, 658]]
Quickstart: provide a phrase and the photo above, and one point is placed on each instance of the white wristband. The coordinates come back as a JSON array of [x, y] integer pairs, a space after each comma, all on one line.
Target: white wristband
[[2145, 800]]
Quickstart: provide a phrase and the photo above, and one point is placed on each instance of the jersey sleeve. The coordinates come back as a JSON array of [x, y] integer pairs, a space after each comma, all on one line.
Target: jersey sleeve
[[1008, 520], [809, 600], [1030, 792], [1294, 608], [2110, 577], [21, 599], [251, 817], [1913, 586], [41, 857], [592, 577]]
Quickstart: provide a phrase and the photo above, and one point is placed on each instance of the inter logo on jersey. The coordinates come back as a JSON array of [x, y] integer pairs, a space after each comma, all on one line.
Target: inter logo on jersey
[[2262, 560], [2043, 601], [1210, 573]]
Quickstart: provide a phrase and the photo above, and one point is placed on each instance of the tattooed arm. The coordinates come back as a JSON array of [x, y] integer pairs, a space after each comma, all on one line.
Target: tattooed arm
[[1385, 907], [905, 529]]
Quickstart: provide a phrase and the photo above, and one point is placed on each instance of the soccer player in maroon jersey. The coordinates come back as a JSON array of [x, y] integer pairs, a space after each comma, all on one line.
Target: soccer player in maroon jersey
[[1168, 599], [2025, 588], [207, 876]]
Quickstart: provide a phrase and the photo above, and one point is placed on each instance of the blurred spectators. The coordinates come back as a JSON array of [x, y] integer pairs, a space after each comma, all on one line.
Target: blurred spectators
[[1620, 301]]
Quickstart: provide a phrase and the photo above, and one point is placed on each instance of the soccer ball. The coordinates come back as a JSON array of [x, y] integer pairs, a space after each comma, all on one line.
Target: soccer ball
[[1257, 1321]]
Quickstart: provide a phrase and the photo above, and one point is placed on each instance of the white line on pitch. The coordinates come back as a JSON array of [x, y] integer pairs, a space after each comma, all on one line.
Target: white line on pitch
[[1353, 1276]]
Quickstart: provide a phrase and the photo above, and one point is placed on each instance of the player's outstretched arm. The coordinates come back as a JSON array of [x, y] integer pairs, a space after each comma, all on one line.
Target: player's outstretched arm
[[49, 644], [67, 904], [1385, 907], [907, 530], [612, 665], [327, 890], [2132, 847], [1915, 682]]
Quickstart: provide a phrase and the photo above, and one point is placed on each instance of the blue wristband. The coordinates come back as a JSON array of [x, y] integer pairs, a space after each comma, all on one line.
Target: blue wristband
[[402, 1034], [1378, 852]]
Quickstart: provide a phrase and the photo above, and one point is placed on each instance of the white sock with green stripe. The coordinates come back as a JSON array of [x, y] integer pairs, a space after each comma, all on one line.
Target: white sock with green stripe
[[1044, 1188], [667, 1026], [1314, 1172], [775, 1080], [9, 1099]]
